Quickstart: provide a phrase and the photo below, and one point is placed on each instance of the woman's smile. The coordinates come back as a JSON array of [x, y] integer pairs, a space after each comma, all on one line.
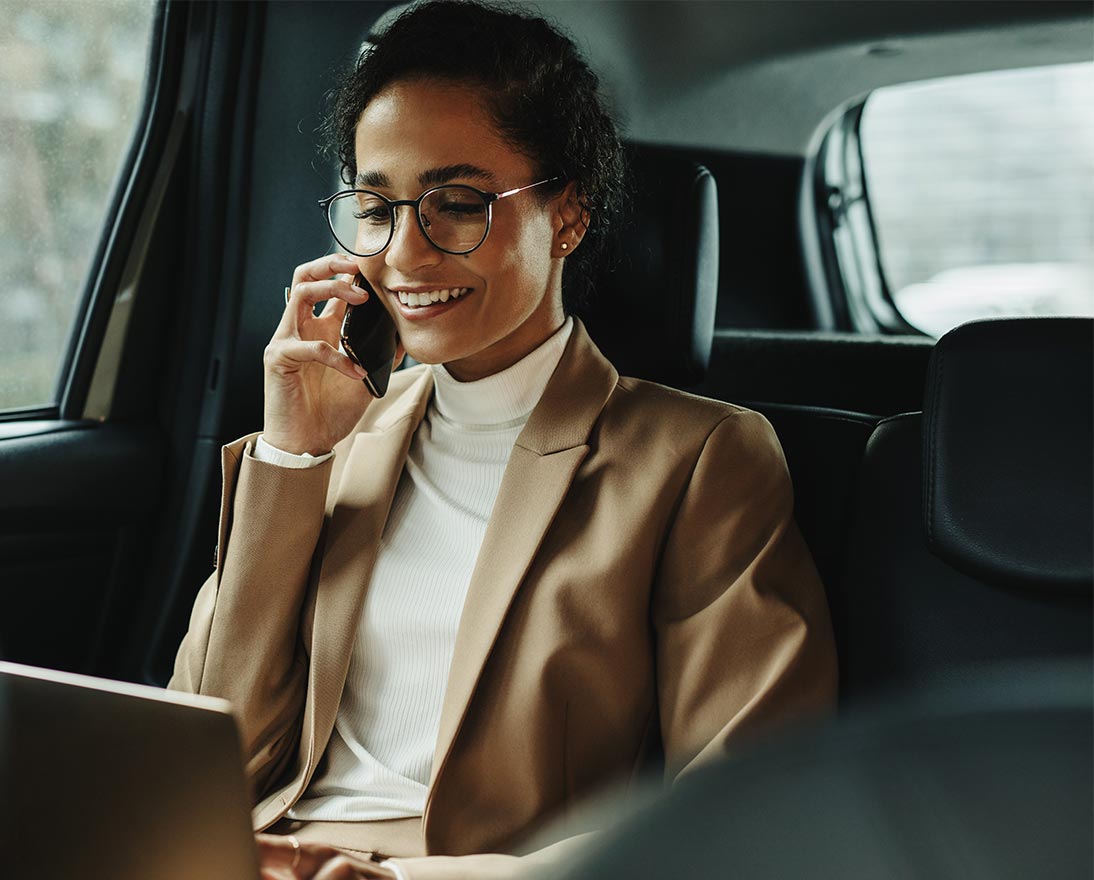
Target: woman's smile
[[423, 303]]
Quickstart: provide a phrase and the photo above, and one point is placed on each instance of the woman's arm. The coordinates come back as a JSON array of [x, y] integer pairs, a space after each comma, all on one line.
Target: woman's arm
[[744, 639], [243, 643], [244, 638]]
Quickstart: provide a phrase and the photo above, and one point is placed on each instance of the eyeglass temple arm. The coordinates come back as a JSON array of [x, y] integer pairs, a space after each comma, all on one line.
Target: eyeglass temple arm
[[513, 192]]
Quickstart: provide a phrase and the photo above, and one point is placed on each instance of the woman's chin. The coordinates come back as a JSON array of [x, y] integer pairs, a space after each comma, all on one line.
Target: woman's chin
[[430, 354]]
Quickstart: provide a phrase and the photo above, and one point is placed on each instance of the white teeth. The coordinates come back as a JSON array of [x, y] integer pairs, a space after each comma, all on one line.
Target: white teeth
[[427, 297]]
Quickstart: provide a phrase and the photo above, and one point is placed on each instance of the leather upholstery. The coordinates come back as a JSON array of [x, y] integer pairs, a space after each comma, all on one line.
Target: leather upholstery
[[969, 515], [876, 375], [991, 778], [653, 309], [902, 614], [1009, 452]]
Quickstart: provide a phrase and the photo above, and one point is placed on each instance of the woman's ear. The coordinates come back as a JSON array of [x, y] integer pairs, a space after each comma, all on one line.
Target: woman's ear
[[572, 220]]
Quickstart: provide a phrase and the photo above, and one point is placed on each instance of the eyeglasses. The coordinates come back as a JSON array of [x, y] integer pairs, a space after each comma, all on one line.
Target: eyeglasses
[[454, 218]]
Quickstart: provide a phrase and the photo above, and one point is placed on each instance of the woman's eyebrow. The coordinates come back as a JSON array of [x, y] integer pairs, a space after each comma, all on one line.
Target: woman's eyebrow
[[371, 179], [432, 177], [436, 176]]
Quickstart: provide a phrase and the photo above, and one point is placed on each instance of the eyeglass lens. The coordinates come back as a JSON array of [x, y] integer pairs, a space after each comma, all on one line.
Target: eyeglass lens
[[454, 218]]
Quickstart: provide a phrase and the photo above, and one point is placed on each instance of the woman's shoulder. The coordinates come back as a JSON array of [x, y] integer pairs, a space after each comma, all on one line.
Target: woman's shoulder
[[640, 394], [662, 413]]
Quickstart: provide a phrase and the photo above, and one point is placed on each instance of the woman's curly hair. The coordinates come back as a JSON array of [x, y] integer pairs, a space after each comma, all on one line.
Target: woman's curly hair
[[542, 95]]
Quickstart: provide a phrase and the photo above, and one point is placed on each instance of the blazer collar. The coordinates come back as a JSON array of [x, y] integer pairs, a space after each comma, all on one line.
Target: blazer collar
[[545, 458], [575, 394], [366, 489], [547, 454]]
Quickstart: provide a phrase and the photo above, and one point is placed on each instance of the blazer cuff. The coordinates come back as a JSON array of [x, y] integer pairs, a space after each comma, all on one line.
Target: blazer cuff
[[394, 868], [270, 454], [550, 861], [485, 866]]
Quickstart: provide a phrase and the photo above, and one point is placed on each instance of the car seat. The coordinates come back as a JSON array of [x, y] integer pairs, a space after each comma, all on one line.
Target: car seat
[[973, 534]]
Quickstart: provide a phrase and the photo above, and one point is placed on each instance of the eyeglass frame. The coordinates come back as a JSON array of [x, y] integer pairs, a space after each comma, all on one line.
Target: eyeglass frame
[[487, 197]]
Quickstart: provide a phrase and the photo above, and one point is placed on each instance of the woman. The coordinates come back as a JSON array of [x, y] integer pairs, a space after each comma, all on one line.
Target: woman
[[570, 575]]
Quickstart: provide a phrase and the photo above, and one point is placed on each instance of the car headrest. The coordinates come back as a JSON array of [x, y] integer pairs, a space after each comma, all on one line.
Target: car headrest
[[653, 307], [1009, 452]]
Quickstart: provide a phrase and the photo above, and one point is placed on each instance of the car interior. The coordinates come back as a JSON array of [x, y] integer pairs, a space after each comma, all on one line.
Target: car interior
[[945, 487]]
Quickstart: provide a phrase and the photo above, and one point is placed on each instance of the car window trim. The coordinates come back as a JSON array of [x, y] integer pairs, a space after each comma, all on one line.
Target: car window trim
[[124, 221]]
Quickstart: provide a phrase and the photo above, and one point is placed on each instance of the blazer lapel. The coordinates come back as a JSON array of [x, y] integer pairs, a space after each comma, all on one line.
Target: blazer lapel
[[543, 463], [365, 493]]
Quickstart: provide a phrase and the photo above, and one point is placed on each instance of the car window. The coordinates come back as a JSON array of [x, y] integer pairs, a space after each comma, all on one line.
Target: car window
[[71, 77], [980, 190]]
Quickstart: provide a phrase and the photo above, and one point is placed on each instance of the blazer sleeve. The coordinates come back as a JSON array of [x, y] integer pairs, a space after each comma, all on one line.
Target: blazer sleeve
[[744, 637], [243, 643]]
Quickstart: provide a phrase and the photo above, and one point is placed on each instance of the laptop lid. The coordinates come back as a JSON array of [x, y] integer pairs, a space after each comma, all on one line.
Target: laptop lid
[[102, 779]]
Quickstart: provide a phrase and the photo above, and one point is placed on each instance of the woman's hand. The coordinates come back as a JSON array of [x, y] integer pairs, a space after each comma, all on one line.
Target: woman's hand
[[313, 392], [315, 861]]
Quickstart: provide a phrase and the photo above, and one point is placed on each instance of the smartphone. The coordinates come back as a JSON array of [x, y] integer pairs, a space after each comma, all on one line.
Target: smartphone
[[370, 339]]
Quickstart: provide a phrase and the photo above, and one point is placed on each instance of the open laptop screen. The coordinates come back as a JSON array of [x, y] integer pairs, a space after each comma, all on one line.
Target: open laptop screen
[[102, 779]]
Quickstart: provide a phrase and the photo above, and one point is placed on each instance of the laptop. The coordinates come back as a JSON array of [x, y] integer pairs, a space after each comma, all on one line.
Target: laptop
[[105, 780]]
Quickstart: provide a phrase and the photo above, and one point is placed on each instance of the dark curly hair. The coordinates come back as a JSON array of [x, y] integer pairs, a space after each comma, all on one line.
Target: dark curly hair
[[542, 95]]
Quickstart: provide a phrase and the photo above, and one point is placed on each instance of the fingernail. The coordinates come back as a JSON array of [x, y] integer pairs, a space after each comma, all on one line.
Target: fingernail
[[359, 290], [360, 371]]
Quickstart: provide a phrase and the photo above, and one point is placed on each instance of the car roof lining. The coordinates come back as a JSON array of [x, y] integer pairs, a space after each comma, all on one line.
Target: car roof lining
[[781, 77]]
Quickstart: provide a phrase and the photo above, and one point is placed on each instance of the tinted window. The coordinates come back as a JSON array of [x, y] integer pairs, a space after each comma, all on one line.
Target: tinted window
[[71, 77], [981, 190]]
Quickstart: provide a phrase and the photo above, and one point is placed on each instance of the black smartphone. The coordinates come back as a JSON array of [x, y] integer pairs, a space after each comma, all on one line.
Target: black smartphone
[[370, 339]]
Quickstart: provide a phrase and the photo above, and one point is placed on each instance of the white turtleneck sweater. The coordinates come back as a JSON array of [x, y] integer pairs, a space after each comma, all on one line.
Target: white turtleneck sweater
[[378, 761]]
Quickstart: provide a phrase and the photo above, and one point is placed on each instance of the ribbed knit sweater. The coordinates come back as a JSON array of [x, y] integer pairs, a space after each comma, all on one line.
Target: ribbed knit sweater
[[378, 760]]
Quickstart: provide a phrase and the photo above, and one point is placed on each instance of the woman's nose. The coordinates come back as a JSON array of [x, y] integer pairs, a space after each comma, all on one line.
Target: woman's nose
[[409, 248]]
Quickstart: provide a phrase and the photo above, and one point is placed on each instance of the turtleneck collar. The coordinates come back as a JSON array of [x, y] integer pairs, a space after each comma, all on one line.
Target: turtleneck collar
[[507, 396]]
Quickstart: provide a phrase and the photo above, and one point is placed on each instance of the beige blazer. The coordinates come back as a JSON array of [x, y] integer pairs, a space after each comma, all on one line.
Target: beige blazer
[[641, 591]]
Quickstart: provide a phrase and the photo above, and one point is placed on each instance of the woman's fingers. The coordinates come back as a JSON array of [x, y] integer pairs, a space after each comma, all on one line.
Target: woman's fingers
[[278, 857], [339, 868], [345, 868], [278, 873], [288, 355], [313, 283], [324, 267], [303, 297], [316, 861], [334, 309], [312, 292]]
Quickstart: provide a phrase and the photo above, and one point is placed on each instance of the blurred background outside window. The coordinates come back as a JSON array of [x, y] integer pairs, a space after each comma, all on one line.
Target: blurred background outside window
[[71, 82], [982, 193]]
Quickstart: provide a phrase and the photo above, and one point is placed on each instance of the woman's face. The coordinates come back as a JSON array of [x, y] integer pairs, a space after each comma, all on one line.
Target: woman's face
[[417, 134]]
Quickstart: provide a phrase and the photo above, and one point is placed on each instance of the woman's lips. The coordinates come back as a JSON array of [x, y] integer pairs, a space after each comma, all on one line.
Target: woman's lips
[[420, 313]]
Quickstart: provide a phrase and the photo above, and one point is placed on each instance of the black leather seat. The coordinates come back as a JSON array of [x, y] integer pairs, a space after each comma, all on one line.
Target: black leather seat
[[653, 310], [824, 449], [989, 778], [973, 538]]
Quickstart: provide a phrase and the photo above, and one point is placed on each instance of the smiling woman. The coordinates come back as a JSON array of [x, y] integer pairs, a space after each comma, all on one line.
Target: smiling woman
[[447, 615], [512, 277]]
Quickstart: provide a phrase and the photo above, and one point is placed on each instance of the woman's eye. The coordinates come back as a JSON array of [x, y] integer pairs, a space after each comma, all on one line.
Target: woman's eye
[[378, 214], [463, 209]]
